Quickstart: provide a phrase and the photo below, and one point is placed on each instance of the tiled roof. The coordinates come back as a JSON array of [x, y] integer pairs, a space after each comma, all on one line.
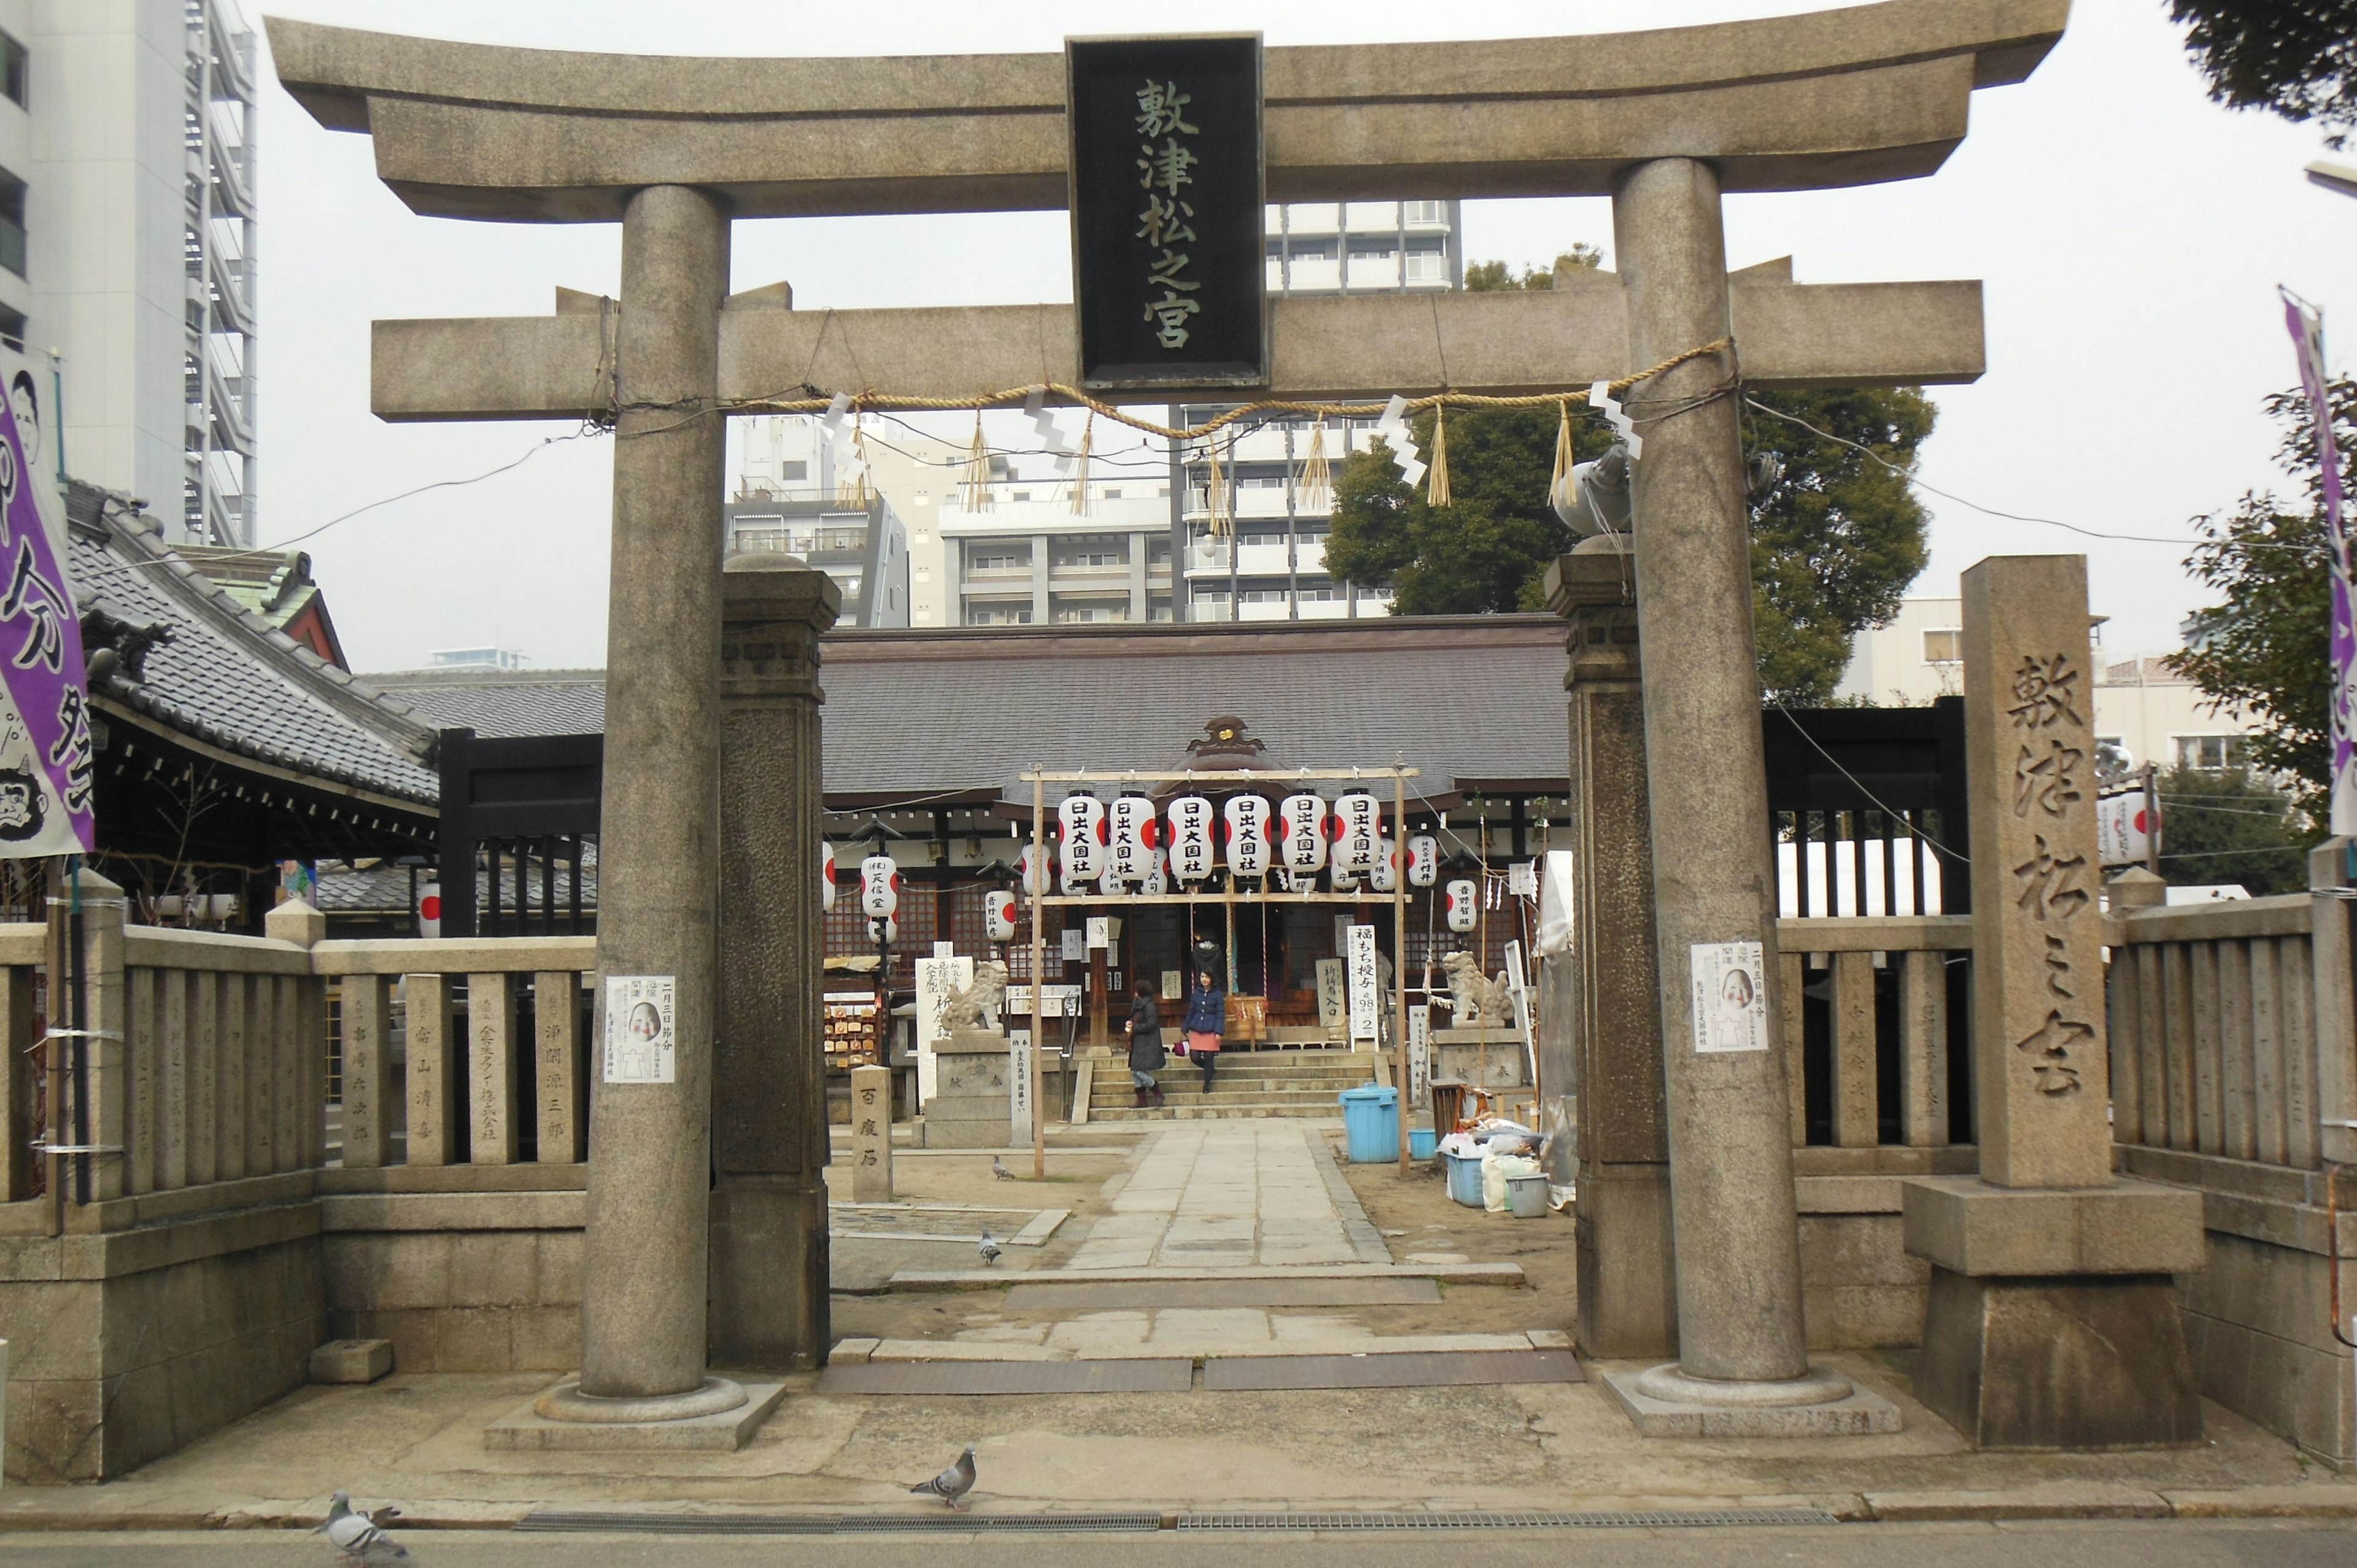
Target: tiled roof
[[1469, 700], [225, 676], [385, 886]]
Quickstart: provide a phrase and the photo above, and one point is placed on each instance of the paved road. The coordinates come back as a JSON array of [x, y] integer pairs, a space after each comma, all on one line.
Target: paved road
[[1229, 1194], [2171, 1544]]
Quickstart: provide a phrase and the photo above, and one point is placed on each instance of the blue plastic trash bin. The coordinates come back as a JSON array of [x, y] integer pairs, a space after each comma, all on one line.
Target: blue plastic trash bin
[[1464, 1177], [1371, 1124], [1421, 1142]]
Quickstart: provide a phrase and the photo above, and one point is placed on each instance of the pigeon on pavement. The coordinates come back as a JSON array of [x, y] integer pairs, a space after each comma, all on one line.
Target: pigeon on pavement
[[989, 1250], [998, 1168], [952, 1483], [358, 1540]]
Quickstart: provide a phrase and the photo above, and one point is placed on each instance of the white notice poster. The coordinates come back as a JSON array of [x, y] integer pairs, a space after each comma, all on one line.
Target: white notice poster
[[1419, 1052], [1075, 948], [938, 980], [640, 1045], [1366, 985], [1329, 994], [1731, 996], [1018, 1085], [1100, 931]]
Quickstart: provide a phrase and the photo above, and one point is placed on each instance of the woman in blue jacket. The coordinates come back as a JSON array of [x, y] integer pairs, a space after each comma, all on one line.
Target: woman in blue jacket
[[1207, 1020]]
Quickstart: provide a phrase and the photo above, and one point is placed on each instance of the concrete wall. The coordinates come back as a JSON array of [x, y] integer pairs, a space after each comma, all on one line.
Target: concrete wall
[[127, 1346], [460, 1282]]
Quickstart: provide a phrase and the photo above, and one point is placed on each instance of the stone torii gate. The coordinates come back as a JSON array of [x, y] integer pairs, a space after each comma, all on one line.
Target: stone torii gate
[[1664, 122]]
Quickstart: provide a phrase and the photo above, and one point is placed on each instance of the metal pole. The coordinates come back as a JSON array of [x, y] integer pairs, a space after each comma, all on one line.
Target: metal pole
[[1402, 1078], [1039, 880]]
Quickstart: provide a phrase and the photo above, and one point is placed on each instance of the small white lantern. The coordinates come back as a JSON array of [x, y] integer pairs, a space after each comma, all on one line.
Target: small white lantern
[[1025, 868], [1108, 880], [1157, 880], [1080, 823], [1340, 880], [1301, 821], [1423, 860], [826, 876], [998, 914], [884, 928], [1358, 823], [880, 886], [1246, 818], [1464, 906], [1191, 838], [1384, 878]]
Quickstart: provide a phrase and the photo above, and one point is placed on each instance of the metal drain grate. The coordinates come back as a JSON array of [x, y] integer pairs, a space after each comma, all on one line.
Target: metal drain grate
[[838, 1524], [1696, 1518]]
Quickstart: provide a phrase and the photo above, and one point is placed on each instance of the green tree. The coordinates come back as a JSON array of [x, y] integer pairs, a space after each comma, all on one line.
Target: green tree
[[2263, 648], [1835, 541], [2233, 826], [2297, 57]]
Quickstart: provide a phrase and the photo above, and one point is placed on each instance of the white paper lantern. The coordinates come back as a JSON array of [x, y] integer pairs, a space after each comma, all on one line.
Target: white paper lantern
[[998, 913], [1340, 880], [1131, 821], [1247, 821], [880, 886], [1191, 838], [1301, 824], [1358, 823], [1384, 878], [826, 876], [1423, 860], [1026, 867], [1464, 906], [1080, 826], [890, 928]]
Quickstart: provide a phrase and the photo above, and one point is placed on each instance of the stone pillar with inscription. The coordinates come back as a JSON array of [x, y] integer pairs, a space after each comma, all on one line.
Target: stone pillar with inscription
[[2053, 1318], [768, 1254], [1628, 1299], [871, 1134]]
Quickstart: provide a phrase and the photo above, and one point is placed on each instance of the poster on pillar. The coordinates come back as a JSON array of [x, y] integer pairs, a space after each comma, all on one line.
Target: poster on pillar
[[1166, 198], [640, 1046], [1731, 996], [47, 764]]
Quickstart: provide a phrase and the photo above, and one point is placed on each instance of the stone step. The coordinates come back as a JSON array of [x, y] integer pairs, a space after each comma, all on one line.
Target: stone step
[[1216, 1111], [1326, 1094]]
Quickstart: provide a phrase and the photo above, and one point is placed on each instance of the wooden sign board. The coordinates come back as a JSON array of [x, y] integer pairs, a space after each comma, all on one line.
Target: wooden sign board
[[1167, 206]]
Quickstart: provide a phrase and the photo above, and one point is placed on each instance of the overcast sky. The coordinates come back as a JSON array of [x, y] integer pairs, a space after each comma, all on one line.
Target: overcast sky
[[2131, 235]]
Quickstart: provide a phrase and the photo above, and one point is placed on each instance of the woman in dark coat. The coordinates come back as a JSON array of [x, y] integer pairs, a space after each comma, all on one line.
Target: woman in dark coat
[[1147, 1056], [1207, 1020]]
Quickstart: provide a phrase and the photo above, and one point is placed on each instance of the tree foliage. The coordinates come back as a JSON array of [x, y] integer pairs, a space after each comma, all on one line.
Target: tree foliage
[[2263, 648], [2233, 826], [1835, 542], [2297, 57]]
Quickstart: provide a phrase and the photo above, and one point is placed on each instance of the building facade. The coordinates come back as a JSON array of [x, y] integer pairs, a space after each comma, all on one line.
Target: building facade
[[128, 243], [788, 499], [2145, 712], [1266, 560]]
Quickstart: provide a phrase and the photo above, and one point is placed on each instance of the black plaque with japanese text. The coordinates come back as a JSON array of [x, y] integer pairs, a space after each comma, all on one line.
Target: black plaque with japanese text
[[1167, 205]]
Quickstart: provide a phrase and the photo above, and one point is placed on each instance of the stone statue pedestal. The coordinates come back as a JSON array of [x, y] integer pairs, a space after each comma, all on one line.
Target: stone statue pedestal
[[972, 1104], [2053, 1320], [1458, 1056]]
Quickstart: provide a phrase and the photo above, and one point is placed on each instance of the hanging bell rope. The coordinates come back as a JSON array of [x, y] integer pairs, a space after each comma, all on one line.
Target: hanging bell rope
[[1080, 470], [1436, 483], [1316, 482], [975, 482], [851, 491], [1218, 520]]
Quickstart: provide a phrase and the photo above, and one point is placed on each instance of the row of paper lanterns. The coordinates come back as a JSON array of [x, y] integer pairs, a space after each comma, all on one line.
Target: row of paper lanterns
[[1127, 846]]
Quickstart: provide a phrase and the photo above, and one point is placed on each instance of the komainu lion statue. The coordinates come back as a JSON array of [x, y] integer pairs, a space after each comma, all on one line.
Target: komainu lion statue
[[1473, 999], [977, 1006]]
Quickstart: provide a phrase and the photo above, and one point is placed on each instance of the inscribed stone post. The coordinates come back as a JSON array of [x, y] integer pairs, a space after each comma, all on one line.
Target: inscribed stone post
[[769, 1255], [2039, 1078], [871, 1134]]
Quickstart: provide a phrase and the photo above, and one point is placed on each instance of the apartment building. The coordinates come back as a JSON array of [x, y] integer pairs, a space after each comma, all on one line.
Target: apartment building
[[1025, 557], [128, 245], [1269, 561], [788, 499]]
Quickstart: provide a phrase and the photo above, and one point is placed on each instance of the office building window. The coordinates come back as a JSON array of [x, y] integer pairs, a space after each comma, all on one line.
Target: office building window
[[12, 69], [765, 536], [1945, 645], [1000, 559], [2209, 752], [1004, 614]]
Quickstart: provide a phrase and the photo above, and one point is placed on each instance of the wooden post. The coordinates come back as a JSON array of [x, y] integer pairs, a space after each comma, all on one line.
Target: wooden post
[[1038, 972]]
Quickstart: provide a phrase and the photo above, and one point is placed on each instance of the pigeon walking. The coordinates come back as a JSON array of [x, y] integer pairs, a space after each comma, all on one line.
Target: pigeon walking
[[954, 1482], [989, 1250], [358, 1538], [998, 1168]]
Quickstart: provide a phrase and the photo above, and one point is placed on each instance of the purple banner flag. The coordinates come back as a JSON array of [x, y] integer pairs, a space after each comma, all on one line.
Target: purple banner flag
[[2307, 327], [46, 761]]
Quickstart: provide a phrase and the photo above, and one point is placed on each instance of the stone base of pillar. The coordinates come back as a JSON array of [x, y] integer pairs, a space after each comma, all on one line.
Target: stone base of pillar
[[724, 1430], [1661, 1401], [1628, 1263], [973, 1103], [2053, 1321], [770, 1292]]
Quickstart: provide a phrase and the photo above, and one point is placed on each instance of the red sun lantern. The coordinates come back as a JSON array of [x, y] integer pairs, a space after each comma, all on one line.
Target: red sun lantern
[[1301, 833], [1358, 822], [880, 886], [1080, 822], [1423, 860], [826, 876], [1464, 906], [998, 913], [1244, 823], [1191, 838]]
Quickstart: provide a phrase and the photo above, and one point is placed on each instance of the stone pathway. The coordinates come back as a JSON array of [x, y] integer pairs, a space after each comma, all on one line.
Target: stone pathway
[[1231, 1195]]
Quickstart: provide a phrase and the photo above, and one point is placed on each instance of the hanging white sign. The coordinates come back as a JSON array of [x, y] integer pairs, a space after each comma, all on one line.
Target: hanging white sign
[[1366, 985]]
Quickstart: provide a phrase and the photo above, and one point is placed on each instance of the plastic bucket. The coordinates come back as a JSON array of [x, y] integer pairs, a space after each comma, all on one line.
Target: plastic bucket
[[1371, 1124], [1421, 1141], [1527, 1196], [1464, 1178]]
